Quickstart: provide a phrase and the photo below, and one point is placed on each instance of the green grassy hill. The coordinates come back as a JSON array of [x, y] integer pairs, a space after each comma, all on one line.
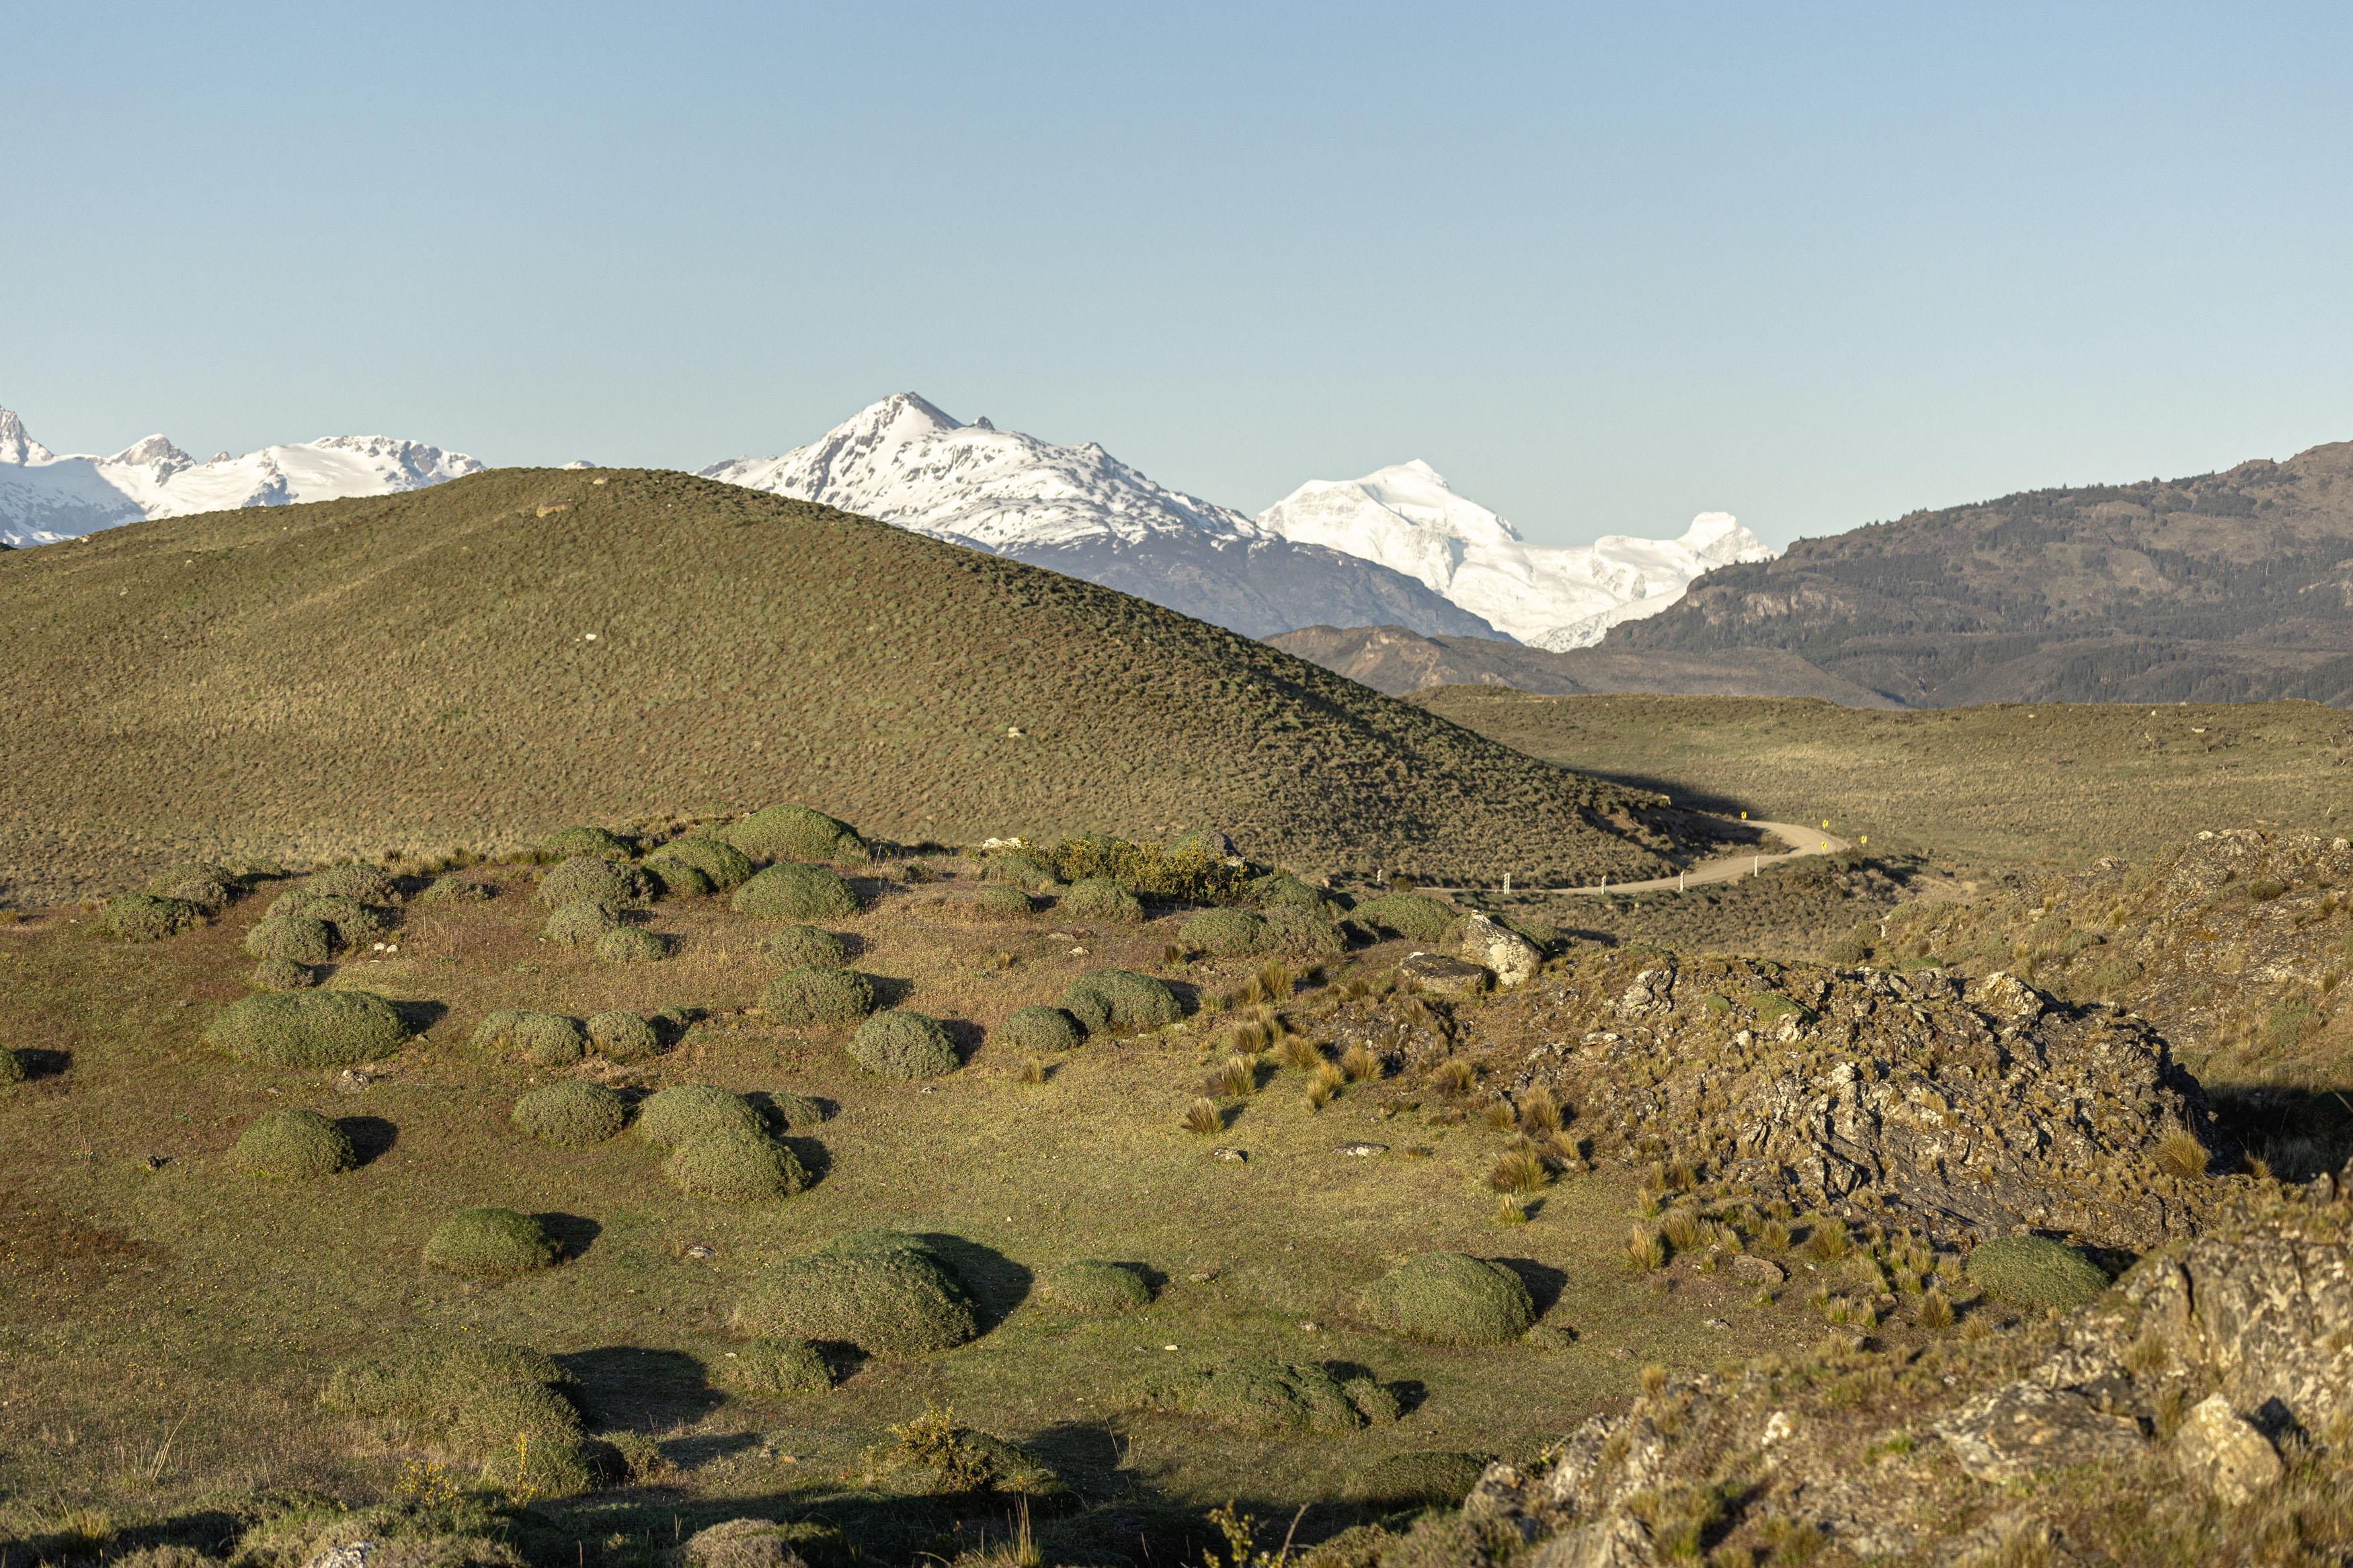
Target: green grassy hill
[[481, 662]]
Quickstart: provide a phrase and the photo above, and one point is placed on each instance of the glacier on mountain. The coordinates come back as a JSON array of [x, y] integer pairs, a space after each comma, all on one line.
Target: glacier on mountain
[[1408, 518]]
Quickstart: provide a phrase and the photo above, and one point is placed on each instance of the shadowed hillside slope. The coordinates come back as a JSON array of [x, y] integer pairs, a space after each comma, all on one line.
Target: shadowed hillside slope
[[480, 662]]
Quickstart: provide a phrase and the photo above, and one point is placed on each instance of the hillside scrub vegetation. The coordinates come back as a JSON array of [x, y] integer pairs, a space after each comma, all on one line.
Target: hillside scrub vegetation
[[792, 891], [308, 1028], [293, 1145]]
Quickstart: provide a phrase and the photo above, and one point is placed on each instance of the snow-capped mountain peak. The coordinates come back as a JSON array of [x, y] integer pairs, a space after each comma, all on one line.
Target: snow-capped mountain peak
[[16, 446]]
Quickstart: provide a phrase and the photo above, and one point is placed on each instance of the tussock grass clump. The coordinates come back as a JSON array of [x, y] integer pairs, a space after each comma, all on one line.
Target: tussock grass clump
[[1121, 1000], [453, 888], [2179, 1153], [1025, 872], [281, 974], [143, 916], [542, 1039], [1451, 1299], [1100, 899], [721, 864], [1519, 1170], [736, 1167], [201, 883], [1038, 1029], [2035, 1271], [505, 1408], [306, 1028], [1254, 1394], [361, 883], [1001, 901], [801, 946], [1417, 917], [293, 1145], [297, 938], [568, 842], [490, 1244], [817, 996], [887, 1293], [776, 1369], [1091, 1285], [684, 1112], [797, 833], [581, 923], [897, 1043], [590, 877], [574, 1114], [620, 1037], [631, 944], [792, 891], [1225, 933]]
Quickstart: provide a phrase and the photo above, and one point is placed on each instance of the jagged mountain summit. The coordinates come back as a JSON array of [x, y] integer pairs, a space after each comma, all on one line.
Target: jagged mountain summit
[[44, 498], [1079, 511], [1407, 517]]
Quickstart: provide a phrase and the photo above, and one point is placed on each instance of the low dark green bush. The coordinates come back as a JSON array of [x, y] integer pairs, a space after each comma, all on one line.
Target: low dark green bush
[[360, 883], [1025, 872], [931, 1455], [574, 1114], [1282, 890], [355, 924], [797, 833], [735, 1166], [590, 877], [143, 916], [1451, 1299], [1418, 1478], [292, 1144], [295, 938], [1303, 934], [207, 886], [13, 1069], [1121, 1000], [456, 889], [817, 993], [775, 1368], [619, 1036], [281, 974], [568, 842], [1100, 899], [789, 891], [1092, 1286], [1417, 917], [890, 1302], [1254, 1394], [490, 1244], [2034, 1271], [542, 1039], [1225, 933], [896, 1043], [1001, 901], [308, 1028], [794, 1112], [581, 924], [631, 944], [1193, 873], [721, 865], [687, 1111], [1038, 1029], [800, 946], [504, 1408], [675, 879]]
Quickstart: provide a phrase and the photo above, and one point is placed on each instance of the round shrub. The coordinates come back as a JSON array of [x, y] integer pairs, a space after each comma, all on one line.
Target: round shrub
[[294, 1145], [797, 833], [817, 993], [1451, 1299], [799, 946], [456, 889], [490, 1244], [722, 865], [896, 1043], [1282, 890], [1120, 999], [1224, 934], [890, 1304], [795, 1111], [542, 1039], [792, 891], [143, 916], [297, 939], [1023, 872], [588, 876], [688, 1110], [308, 1028], [1417, 917], [999, 901], [581, 924], [574, 1114], [1100, 899], [784, 1368], [675, 879], [1092, 1286], [566, 843], [620, 1037], [1038, 1029], [631, 944], [207, 886], [1303, 934], [353, 923], [360, 884], [281, 974], [1258, 1395], [12, 1066], [735, 1166], [2035, 1271]]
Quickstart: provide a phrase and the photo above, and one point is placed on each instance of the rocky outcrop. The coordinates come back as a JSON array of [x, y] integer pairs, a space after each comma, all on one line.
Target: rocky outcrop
[[1483, 940]]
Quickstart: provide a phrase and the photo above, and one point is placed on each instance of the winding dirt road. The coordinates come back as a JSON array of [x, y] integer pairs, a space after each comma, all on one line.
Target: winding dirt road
[[1802, 841]]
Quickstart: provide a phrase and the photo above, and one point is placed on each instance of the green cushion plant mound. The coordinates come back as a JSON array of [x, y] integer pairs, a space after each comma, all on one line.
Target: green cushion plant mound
[[12, 1066], [490, 1244], [507, 1409], [581, 923], [620, 1037], [1282, 890], [294, 1145], [897, 1043], [306, 1028], [1001, 901], [775, 1368], [1121, 1000], [1303, 934], [1225, 933], [590, 877], [796, 946], [817, 993], [789, 891], [931, 1455], [877, 1241], [630, 945], [1417, 917], [723, 866], [574, 1114], [1418, 1478], [2035, 1271], [1254, 1394], [1038, 1029], [297, 938], [281, 974], [1189, 873], [355, 924], [1092, 1286], [542, 1039], [676, 880], [1025, 872], [143, 916], [566, 843], [889, 1303], [797, 833], [735, 1166], [1451, 1299], [794, 1112], [687, 1111], [1100, 899], [453, 888], [201, 883], [362, 884]]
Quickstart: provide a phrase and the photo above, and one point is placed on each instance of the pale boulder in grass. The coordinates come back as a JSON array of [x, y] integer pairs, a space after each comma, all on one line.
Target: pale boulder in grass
[[2219, 1450], [1483, 940]]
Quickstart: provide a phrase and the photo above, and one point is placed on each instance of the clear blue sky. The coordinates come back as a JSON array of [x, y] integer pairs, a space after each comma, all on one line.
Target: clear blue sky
[[1604, 266]]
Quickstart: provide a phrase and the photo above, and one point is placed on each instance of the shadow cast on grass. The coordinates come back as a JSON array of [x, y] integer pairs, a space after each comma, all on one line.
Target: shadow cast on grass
[[372, 1136], [633, 1387], [572, 1234]]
